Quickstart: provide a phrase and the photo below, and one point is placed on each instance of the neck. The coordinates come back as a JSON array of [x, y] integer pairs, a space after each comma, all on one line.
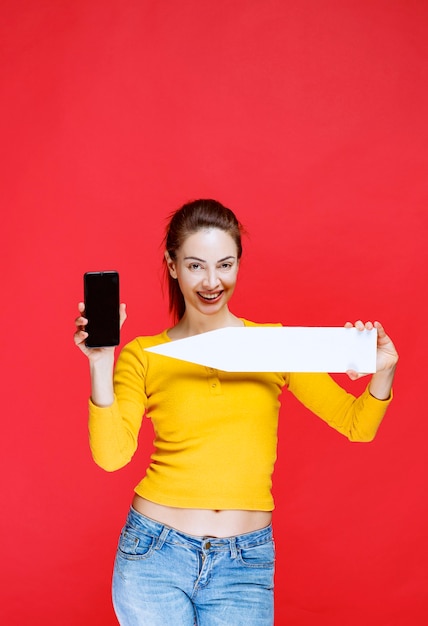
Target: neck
[[190, 325]]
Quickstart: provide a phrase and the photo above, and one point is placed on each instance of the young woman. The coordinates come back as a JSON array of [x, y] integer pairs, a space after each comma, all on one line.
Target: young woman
[[197, 545]]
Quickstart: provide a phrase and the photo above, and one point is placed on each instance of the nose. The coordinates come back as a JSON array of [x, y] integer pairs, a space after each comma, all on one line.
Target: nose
[[211, 280]]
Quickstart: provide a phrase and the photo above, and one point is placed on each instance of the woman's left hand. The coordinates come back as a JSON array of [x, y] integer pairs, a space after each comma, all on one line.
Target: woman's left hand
[[386, 355]]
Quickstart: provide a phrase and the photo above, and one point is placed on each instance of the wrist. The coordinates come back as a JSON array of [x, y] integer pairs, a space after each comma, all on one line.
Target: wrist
[[381, 384], [102, 392], [102, 364]]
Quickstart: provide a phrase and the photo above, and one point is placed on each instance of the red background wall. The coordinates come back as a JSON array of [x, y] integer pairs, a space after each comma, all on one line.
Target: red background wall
[[309, 120]]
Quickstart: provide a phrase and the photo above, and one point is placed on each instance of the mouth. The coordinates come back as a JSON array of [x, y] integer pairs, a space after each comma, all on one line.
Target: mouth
[[210, 297]]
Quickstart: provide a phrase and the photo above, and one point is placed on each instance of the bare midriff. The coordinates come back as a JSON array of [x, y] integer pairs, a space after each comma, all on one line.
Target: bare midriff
[[204, 522]]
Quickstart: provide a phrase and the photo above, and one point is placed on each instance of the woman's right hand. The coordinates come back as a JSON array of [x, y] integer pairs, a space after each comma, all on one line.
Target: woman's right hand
[[80, 336]]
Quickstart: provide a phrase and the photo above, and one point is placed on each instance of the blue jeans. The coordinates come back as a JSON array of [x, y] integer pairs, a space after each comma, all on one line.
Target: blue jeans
[[163, 577]]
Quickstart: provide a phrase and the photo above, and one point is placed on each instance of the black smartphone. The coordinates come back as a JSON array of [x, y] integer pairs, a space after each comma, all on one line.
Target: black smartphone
[[101, 291]]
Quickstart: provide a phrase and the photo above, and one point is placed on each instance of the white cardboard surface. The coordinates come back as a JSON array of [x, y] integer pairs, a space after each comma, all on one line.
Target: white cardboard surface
[[278, 349]]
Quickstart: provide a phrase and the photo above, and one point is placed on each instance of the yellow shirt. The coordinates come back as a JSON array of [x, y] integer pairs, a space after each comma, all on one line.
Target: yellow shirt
[[215, 432]]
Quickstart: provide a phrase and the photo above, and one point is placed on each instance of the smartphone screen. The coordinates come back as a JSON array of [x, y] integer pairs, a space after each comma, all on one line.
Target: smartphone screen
[[102, 309]]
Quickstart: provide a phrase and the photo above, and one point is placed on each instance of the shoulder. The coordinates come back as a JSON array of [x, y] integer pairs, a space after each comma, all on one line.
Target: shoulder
[[133, 360], [136, 347]]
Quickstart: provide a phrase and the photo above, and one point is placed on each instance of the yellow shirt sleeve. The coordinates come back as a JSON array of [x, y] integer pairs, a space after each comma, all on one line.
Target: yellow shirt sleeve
[[358, 418], [113, 430]]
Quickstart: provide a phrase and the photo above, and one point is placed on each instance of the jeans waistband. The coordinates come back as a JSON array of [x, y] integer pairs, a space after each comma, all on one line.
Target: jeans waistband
[[156, 529]]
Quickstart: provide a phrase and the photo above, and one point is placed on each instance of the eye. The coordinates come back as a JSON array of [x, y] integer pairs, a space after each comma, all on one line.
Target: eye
[[227, 265], [194, 267]]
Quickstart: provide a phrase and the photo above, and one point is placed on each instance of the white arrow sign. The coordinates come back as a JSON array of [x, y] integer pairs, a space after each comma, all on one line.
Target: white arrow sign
[[278, 349]]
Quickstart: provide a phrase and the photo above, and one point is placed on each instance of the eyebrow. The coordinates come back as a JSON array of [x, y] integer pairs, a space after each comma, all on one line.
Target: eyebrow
[[195, 258]]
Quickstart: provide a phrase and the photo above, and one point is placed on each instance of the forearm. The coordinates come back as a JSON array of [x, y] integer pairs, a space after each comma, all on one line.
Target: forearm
[[102, 393], [116, 409], [381, 384], [357, 418], [112, 442]]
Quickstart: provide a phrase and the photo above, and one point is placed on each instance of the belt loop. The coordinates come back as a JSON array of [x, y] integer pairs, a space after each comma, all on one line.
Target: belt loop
[[233, 548], [162, 537]]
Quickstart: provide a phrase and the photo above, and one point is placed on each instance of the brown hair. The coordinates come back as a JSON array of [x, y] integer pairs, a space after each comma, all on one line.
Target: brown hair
[[190, 218]]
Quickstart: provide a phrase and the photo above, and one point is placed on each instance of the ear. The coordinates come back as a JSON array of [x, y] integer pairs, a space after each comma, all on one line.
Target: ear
[[170, 264]]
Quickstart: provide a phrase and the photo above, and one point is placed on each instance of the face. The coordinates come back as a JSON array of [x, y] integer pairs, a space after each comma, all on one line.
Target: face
[[206, 268]]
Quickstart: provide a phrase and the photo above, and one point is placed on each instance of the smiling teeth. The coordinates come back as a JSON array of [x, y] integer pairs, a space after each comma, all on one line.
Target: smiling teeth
[[210, 296]]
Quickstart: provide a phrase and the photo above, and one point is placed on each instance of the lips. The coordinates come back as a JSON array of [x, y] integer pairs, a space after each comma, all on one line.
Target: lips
[[210, 297]]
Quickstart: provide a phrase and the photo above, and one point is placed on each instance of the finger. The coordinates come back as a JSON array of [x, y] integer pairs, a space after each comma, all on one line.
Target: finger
[[353, 375], [349, 325], [122, 314], [80, 337], [81, 307], [380, 329], [368, 325], [81, 321], [359, 324]]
